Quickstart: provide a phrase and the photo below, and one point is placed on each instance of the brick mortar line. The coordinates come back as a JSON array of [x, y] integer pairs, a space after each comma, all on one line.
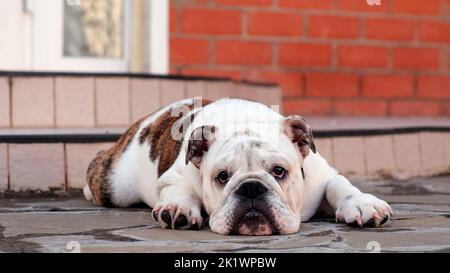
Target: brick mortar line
[[212, 52], [66, 174], [339, 70], [448, 59], [332, 11], [332, 150], [363, 73], [10, 94], [442, 110], [366, 99], [8, 168], [365, 155], [334, 55], [415, 84], [159, 87], [420, 150], [443, 55], [334, 4], [130, 101], [390, 60], [362, 29], [95, 99], [178, 19], [388, 107], [54, 98], [416, 32], [394, 152], [303, 84], [390, 7], [360, 85], [275, 55], [314, 40], [244, 25], [343, 70], [443, 8], [306, 25]]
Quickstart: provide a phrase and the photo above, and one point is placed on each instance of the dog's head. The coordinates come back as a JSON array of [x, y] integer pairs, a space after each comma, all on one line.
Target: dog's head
[[252, 186]]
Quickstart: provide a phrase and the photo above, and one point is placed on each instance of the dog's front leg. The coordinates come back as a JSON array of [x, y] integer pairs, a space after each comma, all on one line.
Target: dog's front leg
[[354, 207], [179, 207]]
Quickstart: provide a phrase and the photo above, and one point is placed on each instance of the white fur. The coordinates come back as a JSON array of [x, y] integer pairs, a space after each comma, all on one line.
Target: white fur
[[135, 176], [87, 193], [180, 188]]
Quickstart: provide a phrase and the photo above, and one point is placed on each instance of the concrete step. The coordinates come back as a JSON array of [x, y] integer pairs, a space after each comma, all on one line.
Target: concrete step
[[80, 100], [362, 148]]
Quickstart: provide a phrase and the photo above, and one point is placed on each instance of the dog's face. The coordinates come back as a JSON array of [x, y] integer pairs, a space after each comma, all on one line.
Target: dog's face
[[252, 186]]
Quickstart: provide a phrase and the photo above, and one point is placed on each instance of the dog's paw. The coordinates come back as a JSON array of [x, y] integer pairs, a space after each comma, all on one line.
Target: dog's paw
[[363, 210], [177, 216]]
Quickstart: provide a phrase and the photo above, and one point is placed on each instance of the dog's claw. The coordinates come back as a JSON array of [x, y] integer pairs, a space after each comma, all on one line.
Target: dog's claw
[[370, 223], [180, 221], [155, 215], [384, 220], [363, 210], [165, 216], [176, 217]]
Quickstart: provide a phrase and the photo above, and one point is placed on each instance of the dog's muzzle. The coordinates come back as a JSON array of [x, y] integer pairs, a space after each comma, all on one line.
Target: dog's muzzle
[[253, 215]]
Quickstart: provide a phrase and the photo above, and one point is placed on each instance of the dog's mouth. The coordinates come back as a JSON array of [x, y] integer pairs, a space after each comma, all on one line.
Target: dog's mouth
[[254, 221]]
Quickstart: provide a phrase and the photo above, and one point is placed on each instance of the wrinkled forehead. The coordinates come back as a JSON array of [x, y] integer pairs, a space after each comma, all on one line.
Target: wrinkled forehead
[[241, 150], [246, 143]]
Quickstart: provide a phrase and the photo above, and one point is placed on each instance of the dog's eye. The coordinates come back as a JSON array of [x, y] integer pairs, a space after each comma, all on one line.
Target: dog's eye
[[278, 172], [223, 177]]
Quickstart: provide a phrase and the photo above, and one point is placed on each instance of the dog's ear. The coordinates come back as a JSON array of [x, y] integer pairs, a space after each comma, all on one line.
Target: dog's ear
[[199, 142], [296, 128]]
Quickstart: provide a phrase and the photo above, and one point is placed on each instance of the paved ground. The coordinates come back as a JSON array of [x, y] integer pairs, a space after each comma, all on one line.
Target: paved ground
[[421, 223]]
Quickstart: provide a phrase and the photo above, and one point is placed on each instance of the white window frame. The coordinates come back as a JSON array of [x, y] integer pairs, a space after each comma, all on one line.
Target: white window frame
[[47, 39], [158, 36]]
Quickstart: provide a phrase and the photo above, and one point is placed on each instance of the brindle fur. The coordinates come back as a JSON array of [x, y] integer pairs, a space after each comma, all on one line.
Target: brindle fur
[[162, 147], [100, 168]]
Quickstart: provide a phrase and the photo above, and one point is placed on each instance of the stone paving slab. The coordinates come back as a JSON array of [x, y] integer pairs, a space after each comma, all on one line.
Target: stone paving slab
[[421, 224]]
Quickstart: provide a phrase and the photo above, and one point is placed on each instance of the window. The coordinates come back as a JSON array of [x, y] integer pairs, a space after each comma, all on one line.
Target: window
[[85, 35], [94, 29]]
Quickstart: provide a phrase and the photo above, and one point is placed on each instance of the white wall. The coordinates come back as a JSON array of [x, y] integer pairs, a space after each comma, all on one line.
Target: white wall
[[15, 36], [31, 39]]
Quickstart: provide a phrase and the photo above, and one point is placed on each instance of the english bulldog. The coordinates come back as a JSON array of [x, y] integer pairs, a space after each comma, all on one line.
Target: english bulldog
[[234, 164]]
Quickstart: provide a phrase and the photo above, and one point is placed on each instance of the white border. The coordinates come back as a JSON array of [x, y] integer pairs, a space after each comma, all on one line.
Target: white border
[[158, 36]]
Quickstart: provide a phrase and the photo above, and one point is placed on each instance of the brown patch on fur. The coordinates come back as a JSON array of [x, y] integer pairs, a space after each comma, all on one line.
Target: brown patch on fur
[[162, 145], [296, 128], [100, 168], [144, 134], [199, 142]]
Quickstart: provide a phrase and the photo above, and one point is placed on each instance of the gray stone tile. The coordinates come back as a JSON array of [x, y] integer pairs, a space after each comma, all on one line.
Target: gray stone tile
[[421, 223]]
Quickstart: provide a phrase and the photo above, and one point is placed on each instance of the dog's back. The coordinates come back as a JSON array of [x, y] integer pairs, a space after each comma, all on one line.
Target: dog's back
[[143, 153]]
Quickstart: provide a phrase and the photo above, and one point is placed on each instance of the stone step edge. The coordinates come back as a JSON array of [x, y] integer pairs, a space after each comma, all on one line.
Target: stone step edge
[[30, 74], [111, 135]]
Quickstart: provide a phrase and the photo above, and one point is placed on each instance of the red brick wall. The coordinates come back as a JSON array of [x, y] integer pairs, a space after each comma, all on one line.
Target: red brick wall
[[339, 57]]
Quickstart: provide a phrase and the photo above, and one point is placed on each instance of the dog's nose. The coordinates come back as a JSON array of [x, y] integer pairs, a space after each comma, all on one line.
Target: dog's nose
[[251, 190]]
